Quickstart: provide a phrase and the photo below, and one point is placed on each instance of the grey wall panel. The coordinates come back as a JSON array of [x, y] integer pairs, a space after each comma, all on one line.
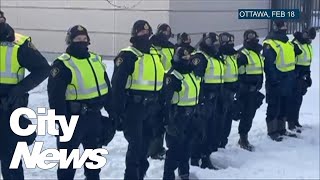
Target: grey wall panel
[[48, 20]]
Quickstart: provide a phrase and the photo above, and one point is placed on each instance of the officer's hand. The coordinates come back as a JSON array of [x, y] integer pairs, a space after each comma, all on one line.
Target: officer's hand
[[308, 80]]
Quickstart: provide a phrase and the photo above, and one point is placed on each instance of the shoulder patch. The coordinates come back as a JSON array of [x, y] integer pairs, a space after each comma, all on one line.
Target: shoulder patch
[[54, 72], [195, 61], [31, 45], [118, 61]]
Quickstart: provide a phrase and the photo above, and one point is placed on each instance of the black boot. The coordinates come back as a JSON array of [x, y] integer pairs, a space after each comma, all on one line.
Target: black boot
[[195, 162], [272, 131], [282, 128], [184, 176], [298, 124], [244, 143], [206, 163], [160, 155], [292, 127]]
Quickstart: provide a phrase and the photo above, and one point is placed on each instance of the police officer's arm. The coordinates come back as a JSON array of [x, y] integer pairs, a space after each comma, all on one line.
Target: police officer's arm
[[297, 50], [59, 78], [123, 67], [199, 63], [108, 105], [171, 85], [30, 58], [270, 68], [242, 60]]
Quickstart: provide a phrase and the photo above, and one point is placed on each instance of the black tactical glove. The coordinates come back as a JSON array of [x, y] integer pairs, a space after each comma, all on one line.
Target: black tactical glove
[[108, 130], [308, 80]]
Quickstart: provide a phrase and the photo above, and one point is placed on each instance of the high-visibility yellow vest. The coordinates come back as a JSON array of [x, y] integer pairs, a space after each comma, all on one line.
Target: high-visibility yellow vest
[[11, 72], [148, 71], [231, 68], [189, 94], [305, 58], [285, 60], [215, 70], [166, 56], [255, 63], [88, 77]]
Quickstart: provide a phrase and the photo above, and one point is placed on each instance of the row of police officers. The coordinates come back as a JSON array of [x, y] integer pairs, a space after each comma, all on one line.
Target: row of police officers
[[187, 95]]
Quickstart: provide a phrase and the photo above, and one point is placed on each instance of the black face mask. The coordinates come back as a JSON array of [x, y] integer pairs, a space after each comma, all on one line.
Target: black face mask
[[142, 43], [79, 49], [253, 45], [228, 49]]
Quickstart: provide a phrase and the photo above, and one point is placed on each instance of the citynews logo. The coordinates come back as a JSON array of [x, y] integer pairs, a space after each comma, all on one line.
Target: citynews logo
[[49, 158]]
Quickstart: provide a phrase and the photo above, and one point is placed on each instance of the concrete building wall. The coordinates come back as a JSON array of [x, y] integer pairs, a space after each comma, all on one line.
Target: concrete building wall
[[198, 16], [47, 21]]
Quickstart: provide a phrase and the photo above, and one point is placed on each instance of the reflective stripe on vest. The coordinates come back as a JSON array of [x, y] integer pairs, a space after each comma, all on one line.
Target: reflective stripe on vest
[[83, 85], [189, 94], [148, 72], [215, 70], [11, 71], [285, 60], [166, 56], [231, 69], [255, 63], [305, 58]]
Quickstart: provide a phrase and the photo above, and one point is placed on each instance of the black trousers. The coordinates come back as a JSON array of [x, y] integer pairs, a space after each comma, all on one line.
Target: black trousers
[[8, 141], [179, 146], [209, 122], [227, 102], [296, 100], [138, 124], [87, 133], [278, 110], [248, 101]]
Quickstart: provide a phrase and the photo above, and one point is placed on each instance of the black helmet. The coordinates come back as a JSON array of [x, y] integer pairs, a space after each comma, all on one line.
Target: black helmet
[[279, 25], [139, 26], [183, 38], [164, 29], [250, 35], [2, 17], [210, 39], [74, 32], [312, 33], [226, 38]]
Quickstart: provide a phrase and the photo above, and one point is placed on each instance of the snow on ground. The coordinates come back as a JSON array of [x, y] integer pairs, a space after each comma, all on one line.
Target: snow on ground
[[292, 158]]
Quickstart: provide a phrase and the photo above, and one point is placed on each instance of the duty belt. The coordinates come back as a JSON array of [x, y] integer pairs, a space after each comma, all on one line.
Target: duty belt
[[144, 99], [82, 108]]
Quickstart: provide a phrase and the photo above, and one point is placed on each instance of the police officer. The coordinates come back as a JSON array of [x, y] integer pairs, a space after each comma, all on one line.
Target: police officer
[[165, 48], [250, 63], [279, 55], [303, 62], [210, 67], [181, 91], [184, 40], [230, 83], [78, 85], [17, 54], [136, 82]]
